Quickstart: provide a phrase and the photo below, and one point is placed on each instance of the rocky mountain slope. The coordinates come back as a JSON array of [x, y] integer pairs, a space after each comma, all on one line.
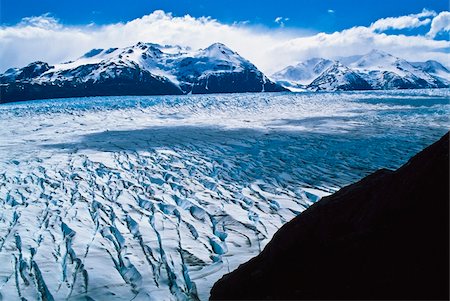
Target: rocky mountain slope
[[378, 69], [339, 77], [301, 74], [142, 69], [384, 237]]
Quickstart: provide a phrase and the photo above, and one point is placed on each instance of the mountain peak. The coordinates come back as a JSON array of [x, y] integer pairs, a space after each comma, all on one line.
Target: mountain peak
[[378, 68], [431, 66], [219, 47], [140, 69], [338, 77], [337, 64], [37, 63], [92, 52], [303, 73], [375, 58], [378, 53]]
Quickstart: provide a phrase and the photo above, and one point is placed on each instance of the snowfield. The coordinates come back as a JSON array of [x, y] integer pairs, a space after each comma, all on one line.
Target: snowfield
[[155, 198]]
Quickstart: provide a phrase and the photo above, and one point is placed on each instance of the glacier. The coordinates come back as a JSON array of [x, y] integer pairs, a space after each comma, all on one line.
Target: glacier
[[156, 197]]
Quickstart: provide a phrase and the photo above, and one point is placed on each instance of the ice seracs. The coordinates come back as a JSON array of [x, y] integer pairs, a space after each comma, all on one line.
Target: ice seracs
[[155, 198], [381, 70], [141, 69]]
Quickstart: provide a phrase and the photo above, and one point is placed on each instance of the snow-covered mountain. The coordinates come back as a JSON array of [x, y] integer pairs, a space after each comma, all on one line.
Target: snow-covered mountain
[[385, 71], [339, 77], [434, 68], [378, 69], [302, 74], [141, 69]]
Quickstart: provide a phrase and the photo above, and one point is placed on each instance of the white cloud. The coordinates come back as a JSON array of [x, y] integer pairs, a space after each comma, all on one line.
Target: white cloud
[[281, 21], [45, 21], [440, 23], [399, 23], [331, 11], [425, 13], [44, 38], [360, 40], [402, 22]]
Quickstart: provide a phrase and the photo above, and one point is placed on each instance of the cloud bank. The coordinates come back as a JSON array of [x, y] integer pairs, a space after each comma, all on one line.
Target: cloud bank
[[441, 23], [45, 38], [402, 22]]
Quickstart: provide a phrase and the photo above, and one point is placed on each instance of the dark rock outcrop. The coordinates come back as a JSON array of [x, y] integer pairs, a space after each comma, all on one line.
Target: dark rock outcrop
[[132, 81], [384, 237], [245, 81]]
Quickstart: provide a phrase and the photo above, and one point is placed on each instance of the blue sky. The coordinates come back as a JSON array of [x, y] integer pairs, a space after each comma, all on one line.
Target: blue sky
[[271, 34], [323, 15]]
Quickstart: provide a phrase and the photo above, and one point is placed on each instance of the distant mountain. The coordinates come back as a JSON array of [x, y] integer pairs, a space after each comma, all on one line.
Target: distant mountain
[[385, 71], [338, 77], [142, 69], [378, 69], [302, 74], [434, 68]]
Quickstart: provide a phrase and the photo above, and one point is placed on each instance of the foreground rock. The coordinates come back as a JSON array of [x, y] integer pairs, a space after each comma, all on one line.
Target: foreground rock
[[384, 237]]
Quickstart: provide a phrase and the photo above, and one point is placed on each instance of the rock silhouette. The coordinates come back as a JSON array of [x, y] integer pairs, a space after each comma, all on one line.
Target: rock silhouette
[[384, 237]]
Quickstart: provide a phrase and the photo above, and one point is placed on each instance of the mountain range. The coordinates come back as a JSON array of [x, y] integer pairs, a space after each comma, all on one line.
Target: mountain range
[[152, 69], [376, 70], [141, 69]]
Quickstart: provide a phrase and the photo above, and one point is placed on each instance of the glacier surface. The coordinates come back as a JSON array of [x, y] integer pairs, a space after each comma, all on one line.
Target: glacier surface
[[155, 198]]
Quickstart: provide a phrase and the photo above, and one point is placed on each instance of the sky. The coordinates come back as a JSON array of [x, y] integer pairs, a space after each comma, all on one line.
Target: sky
[[271, 34]]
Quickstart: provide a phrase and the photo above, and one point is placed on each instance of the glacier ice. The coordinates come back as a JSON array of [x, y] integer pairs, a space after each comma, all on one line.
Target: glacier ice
[[157, 197]]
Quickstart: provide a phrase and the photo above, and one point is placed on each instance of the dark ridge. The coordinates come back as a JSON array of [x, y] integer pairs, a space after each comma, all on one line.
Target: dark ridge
[[246, 81], [92, 53], [135, 83], [384, 237]]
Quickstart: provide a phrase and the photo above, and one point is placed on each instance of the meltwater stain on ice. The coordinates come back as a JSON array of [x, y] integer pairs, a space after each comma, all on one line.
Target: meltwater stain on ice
[[155, 198]]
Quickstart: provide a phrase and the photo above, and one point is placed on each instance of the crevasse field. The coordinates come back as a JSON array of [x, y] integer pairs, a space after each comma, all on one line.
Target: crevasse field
[[155, 198]]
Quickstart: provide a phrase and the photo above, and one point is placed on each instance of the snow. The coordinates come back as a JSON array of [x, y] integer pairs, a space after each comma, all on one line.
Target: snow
[[304, 72], [335, 77], [377, 60], [434, 68], [155, 198], [165, 61], [443, 75], [85, 60]]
